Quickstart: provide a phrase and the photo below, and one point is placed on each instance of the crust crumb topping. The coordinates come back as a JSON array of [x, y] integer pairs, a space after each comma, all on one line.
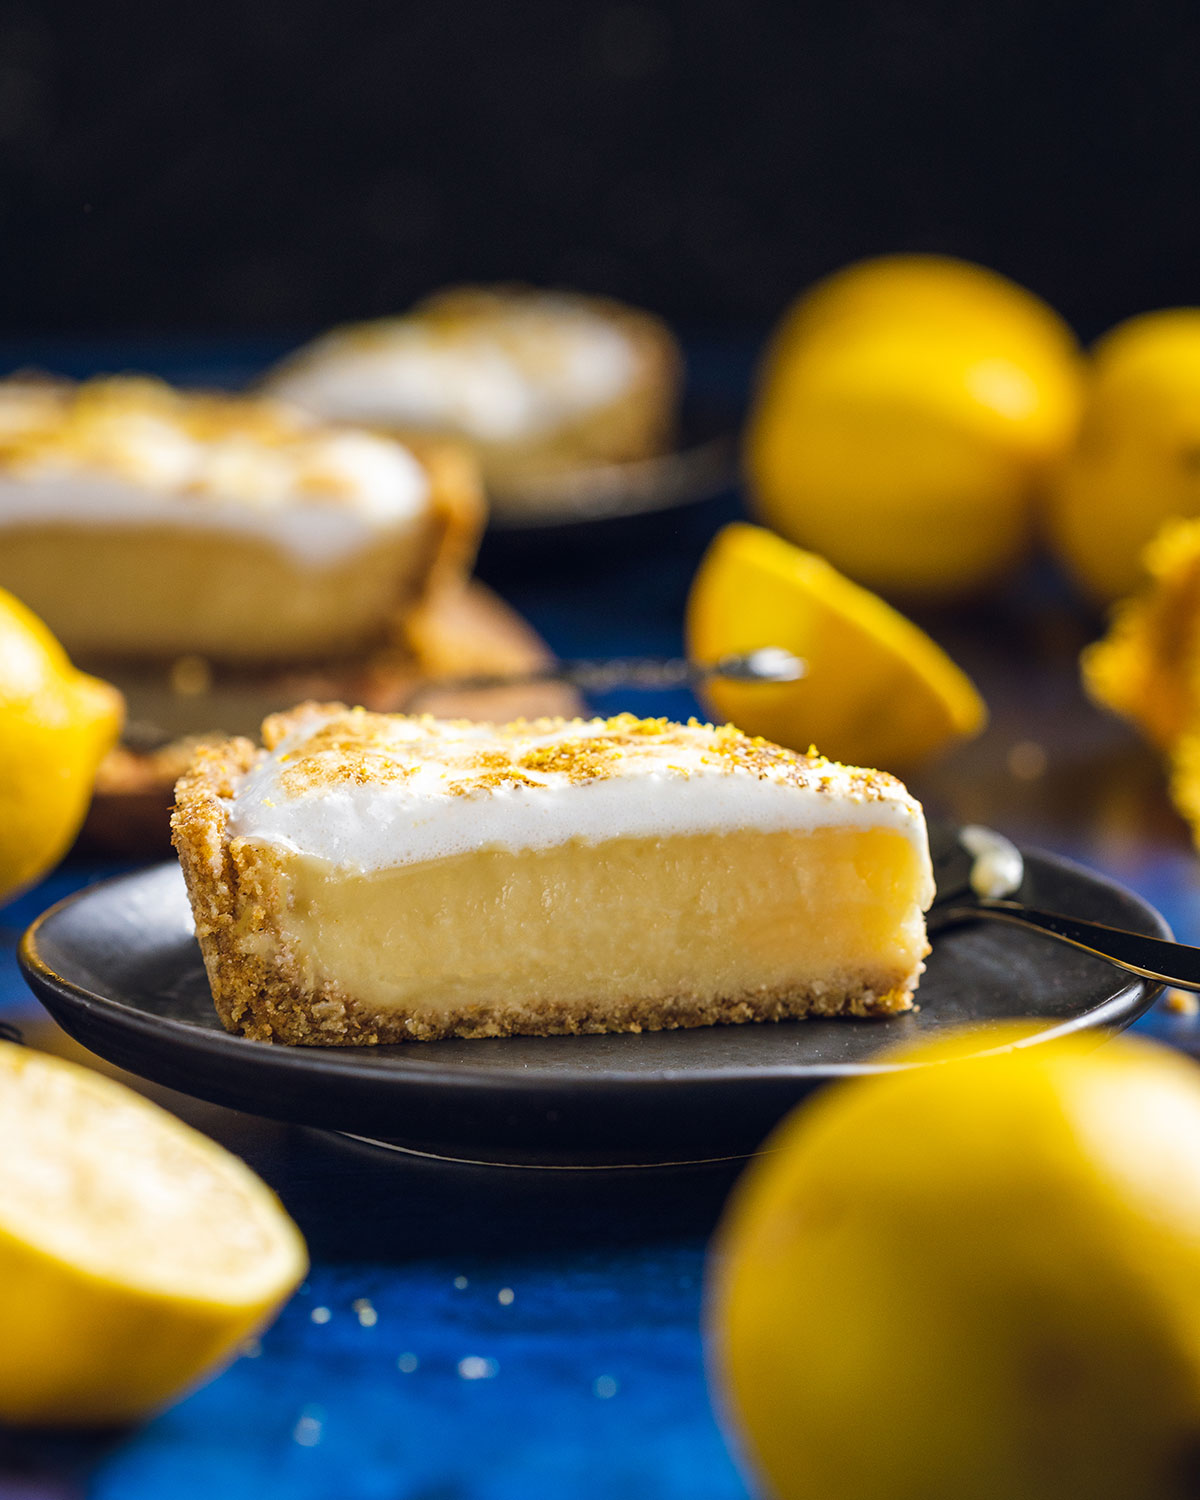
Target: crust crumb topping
[[324, 746], [196, 445]]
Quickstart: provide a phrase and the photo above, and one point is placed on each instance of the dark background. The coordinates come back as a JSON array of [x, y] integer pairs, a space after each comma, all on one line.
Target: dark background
[[268, 165]]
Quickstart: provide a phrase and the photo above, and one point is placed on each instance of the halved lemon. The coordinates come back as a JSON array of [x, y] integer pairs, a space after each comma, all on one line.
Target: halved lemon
[[135, 1253], [877, 691]]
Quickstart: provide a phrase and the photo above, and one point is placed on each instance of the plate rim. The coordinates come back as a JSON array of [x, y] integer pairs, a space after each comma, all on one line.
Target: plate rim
[[714, 457], [1121, 1009]]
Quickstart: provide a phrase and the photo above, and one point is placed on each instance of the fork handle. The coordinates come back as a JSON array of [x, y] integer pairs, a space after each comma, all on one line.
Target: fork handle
[[1159, 959]]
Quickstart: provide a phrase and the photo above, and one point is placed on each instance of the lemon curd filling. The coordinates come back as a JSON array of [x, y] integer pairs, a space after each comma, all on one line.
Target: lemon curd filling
[[549, 931], [383, 878]]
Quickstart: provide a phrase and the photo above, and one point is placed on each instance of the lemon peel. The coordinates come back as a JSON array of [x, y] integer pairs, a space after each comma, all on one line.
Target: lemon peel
[[56, 726], [1137, 461], [980, 1278], [1147, 667], [907, 415]]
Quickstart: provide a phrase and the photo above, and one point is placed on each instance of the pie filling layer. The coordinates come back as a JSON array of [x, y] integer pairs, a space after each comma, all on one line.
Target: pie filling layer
[[141, 520], [159, 592], [829, 918]]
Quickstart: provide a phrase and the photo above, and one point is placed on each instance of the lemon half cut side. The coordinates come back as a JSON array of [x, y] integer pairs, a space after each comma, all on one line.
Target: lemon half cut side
[[135, 1253], [877, 690]]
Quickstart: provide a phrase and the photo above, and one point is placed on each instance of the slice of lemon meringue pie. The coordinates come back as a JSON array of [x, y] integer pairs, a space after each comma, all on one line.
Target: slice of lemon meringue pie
[[144, 522], [380, 878], [539, 383]]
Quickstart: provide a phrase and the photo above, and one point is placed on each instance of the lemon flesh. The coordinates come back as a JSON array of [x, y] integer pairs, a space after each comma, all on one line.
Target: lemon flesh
[[906, 416], [135, 1253], [56, 726], [877, 690], [1137, 463], [979, 1279]]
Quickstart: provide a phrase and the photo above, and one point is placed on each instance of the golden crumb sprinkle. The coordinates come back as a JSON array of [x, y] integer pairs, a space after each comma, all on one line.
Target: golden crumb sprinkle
[[321, 747], [96, 416], [587, 759], [195, 444]]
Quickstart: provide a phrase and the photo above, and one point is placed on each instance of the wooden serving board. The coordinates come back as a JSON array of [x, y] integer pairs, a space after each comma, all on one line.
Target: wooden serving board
[[467, 632]]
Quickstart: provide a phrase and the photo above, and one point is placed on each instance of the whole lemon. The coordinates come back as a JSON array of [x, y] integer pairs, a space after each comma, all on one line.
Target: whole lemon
[[972, 1278], [937, 293], [1137, 462], [56, 725], [906, 416]]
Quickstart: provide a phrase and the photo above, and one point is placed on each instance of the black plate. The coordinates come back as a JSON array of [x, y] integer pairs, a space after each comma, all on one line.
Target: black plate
[[622, 509], [118, 967]]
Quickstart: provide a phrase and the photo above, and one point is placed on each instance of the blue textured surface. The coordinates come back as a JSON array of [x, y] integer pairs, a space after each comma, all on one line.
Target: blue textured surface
[[533, 1427], [592, 1382], [589, 1381]]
